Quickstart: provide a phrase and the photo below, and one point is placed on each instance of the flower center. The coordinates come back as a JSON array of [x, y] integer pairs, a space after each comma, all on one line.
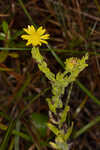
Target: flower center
[[36, 37]]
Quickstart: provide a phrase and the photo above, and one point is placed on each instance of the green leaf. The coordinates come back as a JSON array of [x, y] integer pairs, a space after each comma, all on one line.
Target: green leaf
[[40, 122], [53, 129], [13, 55], [2, 36], [69, 131], [51, 107], [5, 27], [63, 115], [3, 56]]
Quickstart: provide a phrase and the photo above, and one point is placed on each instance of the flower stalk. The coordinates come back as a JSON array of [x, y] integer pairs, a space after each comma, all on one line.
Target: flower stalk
[[57, 109]]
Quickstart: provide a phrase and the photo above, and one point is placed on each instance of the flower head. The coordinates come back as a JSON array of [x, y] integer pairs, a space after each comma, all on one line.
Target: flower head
[[71, 63], [35, 37]]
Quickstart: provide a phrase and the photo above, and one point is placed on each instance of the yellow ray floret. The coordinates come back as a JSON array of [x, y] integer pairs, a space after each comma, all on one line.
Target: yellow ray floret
[[35, 37]]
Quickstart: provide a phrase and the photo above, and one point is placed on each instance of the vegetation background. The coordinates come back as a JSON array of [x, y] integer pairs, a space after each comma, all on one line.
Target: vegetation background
[[74, 28]]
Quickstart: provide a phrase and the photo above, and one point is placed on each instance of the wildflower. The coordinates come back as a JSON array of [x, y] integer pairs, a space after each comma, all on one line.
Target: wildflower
[[35, 37]]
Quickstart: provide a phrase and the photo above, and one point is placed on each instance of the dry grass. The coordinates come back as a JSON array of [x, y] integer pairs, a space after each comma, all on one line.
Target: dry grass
[[74, 27]]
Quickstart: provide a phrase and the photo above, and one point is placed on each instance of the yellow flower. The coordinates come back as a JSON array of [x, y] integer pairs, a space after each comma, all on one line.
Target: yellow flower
[[35, 37]]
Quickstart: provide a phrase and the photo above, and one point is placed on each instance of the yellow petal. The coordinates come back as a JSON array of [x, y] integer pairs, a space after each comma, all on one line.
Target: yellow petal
[[41, 31], [43, 41], [31, 29], [46, 36], [28, 43], [26, 37], [26, 30]]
